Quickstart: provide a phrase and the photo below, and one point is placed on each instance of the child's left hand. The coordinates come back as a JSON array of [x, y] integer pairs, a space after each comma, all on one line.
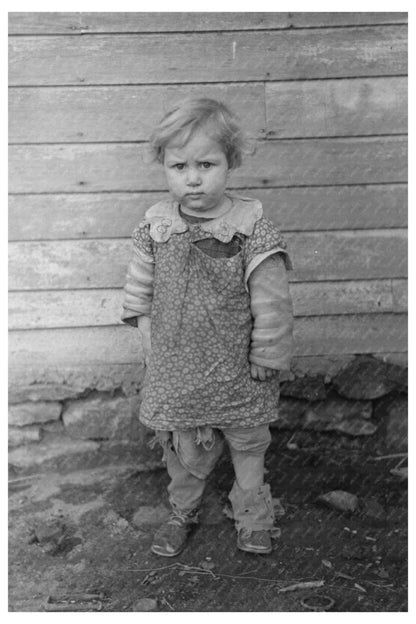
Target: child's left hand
[[261, 372]]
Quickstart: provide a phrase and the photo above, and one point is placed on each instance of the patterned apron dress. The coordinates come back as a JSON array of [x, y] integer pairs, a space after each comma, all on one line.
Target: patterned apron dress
[[199, 370]]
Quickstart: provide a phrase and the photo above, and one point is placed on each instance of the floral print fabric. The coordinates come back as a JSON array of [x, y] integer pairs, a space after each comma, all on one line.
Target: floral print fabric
[[199, 372]]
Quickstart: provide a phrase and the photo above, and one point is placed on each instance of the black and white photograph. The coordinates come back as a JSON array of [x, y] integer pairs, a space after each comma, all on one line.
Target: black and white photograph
[[208, 351]]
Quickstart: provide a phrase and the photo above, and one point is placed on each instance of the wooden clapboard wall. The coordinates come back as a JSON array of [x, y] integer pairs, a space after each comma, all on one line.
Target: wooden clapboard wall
[[323, 94]]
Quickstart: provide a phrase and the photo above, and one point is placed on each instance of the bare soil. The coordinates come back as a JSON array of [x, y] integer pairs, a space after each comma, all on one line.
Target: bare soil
[[101, 546]]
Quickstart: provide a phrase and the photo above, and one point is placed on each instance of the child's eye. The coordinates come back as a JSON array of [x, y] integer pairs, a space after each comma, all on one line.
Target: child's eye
[[206, 165], [179, 166]]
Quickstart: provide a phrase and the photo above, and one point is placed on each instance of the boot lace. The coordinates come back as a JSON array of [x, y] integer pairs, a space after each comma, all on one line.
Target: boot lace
[[180, 518]]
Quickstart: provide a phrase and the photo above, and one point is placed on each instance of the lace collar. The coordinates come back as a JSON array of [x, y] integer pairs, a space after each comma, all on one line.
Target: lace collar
[[165, 219]]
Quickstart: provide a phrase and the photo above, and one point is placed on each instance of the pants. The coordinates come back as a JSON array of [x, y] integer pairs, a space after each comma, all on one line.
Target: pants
[[191, 456]]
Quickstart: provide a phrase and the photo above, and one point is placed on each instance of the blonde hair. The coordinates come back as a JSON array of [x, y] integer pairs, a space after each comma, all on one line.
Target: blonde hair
[[194, 114]]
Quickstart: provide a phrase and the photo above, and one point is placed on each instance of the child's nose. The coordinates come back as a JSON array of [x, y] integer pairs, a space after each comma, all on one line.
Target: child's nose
[[193, 177]]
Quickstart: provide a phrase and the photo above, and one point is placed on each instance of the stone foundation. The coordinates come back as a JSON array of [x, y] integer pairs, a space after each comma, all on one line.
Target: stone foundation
[[361, 397]]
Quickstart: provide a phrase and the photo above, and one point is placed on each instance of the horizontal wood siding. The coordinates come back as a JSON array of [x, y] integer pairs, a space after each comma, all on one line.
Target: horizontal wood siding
[[102, 263], [318, 335], [121, 166], [351, 107], [115, 215], [323, 97], [209, 57], [64, 23], [51, 309]]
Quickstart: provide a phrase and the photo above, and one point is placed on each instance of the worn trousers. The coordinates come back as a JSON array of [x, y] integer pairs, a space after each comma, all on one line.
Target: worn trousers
[[191, 456]]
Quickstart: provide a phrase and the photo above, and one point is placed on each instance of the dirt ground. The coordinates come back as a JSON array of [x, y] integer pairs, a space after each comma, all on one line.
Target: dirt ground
[[82, 539]]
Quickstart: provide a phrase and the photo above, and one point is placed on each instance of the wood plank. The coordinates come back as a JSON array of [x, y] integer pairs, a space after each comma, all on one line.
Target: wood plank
[[400, 290], [350, 334], [60, 114], [96, 307], [339, 18], [44, 22], [337, 107], [239, 56], [114, 215], [127, 167], [102, 263], [350, 107], [129, 22], [368, 333]]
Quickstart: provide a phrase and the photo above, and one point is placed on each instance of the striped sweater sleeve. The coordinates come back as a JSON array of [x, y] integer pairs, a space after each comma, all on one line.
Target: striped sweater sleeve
[[138, 289], [272, 311]]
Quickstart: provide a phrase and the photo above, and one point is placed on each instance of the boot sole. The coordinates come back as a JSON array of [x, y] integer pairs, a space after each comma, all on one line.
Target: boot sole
[[164, 553], [255, 551]]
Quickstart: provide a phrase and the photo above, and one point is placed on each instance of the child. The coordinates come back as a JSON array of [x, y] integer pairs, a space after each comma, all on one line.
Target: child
[[208, 290]]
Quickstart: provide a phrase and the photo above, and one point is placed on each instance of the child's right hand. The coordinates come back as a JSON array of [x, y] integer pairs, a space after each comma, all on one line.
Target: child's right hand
[[261, 372], [144, 327]]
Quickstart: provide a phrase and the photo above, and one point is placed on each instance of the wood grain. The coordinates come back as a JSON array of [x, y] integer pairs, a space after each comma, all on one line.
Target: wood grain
[[25, 23], [127, 167], [351, 107], [117, 113], [96, 307], [337, 107], [208, 57], [337, 335], [343, 255], [400, 298], [114, 215]]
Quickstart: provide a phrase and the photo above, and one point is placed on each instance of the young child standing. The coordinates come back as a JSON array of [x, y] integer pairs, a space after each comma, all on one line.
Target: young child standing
[[207, 288]]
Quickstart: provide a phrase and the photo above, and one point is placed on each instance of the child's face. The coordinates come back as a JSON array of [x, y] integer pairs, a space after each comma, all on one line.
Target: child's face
[[197, 172]]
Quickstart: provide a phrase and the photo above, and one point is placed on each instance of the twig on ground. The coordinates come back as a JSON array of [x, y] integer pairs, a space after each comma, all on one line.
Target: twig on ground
[[18, 479], [302, 585], [197, 570], [392, 456], [173, 565], [345, 587], [165, 601], [380, 585]]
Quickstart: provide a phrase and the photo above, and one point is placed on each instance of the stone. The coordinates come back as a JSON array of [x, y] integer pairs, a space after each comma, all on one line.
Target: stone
[[399, 375], [150, 515], [145, 604], [398, 368], [23, 435], [339, 499], [392, 413], [320, 365], [115, 521], [71, 381], [396, 427], [32, 413], [49, 531], [56, 426], [365, 378], [340, 415], [101, 418], [355, 427], [50, 454], [290, 413], [43, 392], [308, 388]]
